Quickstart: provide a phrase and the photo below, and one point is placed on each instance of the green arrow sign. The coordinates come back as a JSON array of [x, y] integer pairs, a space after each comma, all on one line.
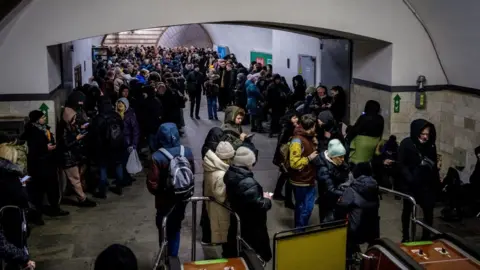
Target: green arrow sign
[[396, 104], [44, 109]]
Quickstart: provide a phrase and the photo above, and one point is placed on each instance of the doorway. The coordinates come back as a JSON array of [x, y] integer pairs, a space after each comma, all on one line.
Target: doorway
[[307, 68]]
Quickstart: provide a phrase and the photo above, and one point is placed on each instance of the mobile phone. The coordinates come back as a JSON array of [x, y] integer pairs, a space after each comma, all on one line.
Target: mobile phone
[[86, 124], [249, 136], [25, 179]]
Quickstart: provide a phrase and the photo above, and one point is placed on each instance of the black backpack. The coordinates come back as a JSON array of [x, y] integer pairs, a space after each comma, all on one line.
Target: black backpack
[[114, 133]]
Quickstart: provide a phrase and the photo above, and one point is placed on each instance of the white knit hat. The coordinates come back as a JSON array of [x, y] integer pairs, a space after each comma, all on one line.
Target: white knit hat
[[224, 151], [244, 157]]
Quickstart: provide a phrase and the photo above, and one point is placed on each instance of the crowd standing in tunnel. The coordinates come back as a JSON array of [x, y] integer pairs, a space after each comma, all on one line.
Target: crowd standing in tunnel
[[135, 100]]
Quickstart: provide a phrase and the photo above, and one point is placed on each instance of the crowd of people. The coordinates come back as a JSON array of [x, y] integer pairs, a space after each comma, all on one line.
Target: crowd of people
[[138, 97]]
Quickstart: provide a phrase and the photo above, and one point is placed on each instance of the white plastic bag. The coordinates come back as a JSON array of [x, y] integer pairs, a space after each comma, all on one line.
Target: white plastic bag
[[134, 165]]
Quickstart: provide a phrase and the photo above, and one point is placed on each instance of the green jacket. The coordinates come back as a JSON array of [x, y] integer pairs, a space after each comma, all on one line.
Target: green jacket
[[362, 148]]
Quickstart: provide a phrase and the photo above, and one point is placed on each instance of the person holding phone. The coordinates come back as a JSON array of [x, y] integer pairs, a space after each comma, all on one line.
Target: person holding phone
[[42, 167]]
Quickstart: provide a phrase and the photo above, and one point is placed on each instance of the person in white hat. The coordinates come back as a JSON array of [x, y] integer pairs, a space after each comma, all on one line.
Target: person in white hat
[[215, 165]]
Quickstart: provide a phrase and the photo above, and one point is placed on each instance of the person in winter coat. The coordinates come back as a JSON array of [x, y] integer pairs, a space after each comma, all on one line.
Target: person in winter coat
[[384, 164], [366, 134], [12, 248], [321, 101], [310, 94], [277, 99], [215, 165], [211, 90], [417, 161], [168, 138], [69, 145], [289, 123], [195, 80], [224, 85], [302, 151], [339, 103], [42, 166], [332, 172], [360, 199], [241, 91], [248, 200], [131, 133], [254, 99], [153, 113], [232, 126], [170, 102], [327, 129], [299, 88], [107, 147]]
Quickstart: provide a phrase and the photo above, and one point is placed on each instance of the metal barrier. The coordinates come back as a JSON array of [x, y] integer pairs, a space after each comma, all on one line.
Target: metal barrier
[[413, 218], [24, 227], [163, 253]]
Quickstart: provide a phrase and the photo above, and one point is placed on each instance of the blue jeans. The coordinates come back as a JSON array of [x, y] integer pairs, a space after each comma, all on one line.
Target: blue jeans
[[212, 107], [102, 187], [304, 203], [174, 224]]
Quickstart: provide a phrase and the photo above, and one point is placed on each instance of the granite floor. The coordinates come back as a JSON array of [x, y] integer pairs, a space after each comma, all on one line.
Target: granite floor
[[73, 242]]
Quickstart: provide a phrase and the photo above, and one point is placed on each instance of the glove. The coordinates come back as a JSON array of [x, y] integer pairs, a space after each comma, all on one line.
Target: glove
[[130, 149]]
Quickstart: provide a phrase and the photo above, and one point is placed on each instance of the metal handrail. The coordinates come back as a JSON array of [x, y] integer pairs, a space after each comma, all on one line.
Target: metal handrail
[[162, 254], [194, 201], [413, 218]]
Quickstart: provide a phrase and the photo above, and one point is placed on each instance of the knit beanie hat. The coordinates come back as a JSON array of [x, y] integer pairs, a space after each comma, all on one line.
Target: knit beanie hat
[[335, 148], [35, 115], [225, 151], [311, 90], [244, 157]]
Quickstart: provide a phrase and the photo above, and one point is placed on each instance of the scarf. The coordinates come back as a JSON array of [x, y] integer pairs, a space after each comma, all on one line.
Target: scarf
[[44, 129]]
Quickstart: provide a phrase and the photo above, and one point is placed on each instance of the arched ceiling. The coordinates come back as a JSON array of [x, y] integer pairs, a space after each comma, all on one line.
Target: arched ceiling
[[451, 23], [173, 36]]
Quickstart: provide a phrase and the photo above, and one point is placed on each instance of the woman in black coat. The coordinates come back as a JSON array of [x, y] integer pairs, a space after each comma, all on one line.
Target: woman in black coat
[[339, 103], [42, 166]]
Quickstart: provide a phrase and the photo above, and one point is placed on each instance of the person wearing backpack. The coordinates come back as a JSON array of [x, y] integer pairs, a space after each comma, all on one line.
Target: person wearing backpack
[[107, 147], [280, 159], [302, 152], [171, 181]]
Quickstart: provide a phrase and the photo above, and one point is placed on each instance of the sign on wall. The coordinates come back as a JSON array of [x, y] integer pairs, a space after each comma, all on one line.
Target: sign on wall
[[222, 51], [261, 58]]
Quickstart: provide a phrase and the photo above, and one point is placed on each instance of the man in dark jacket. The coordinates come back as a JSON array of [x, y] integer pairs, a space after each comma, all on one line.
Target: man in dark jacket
[[165, 200], [153, 113], [417, 161], [195, 81], [223, 84], [277, 95], [248, 200], [107, 144], [361, 201]]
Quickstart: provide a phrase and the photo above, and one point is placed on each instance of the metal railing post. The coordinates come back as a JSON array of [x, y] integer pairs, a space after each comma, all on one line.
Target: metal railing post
[[413, 218], [194, 228]]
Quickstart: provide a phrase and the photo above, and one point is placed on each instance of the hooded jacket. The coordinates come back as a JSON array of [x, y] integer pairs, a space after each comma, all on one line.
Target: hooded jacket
[[241, 91], [361, 200], [69, 148], [299, 88], [168, 138], [421, 179], [152, 111], [254, 95], [213, 186], [245, 195], [131, 130], [214, 137], [231, 129]]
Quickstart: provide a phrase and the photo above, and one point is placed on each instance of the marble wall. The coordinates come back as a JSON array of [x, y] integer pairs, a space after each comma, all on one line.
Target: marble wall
[[457, 121], [359, 95]]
